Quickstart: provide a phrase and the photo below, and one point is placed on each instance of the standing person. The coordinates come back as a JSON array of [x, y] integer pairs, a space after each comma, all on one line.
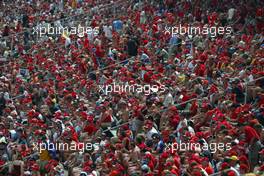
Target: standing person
[[26, 39], [132, 46], [2, 103], [25, 20], [253, 140], [168, 99], [118, 25], [6, 31]]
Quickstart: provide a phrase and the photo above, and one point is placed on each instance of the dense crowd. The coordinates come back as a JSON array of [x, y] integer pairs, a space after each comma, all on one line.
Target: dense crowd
[[199, 110]]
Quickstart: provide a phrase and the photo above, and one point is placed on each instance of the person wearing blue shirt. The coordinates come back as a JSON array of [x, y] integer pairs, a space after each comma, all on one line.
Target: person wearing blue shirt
[[145, 58], [173, 43], [158, 143], [118, 25]]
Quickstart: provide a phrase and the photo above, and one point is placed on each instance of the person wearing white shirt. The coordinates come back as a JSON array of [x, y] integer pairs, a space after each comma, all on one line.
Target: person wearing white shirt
[[182, 123], [151, 132], [235, 170], [231, 13], [168, 100], [143, 18], [108, 32]]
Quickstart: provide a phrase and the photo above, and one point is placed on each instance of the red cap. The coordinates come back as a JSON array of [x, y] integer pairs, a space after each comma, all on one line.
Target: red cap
[[244, 167], [224, 166]]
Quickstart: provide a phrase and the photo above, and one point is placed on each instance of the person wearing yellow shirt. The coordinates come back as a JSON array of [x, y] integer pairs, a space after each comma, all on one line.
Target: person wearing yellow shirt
[[44, 155]]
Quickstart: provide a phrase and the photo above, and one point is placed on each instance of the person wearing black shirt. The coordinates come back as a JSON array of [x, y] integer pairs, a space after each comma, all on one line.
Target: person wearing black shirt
[[25, 21], [238, 91], [2, 103], [132, 46]]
